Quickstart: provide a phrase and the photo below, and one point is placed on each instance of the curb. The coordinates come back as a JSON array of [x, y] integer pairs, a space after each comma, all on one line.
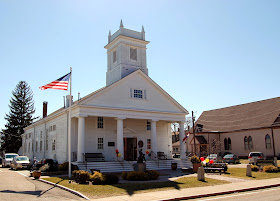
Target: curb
[[221, 193], [65, 188]]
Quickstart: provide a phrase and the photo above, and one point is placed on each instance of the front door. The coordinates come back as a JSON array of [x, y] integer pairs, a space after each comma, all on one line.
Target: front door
[[130, 149]]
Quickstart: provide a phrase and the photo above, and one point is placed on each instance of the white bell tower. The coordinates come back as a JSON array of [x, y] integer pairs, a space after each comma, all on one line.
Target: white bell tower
[[126, 53]]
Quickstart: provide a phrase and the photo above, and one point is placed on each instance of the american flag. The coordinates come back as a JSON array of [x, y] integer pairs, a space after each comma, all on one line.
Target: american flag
[[60, 83]]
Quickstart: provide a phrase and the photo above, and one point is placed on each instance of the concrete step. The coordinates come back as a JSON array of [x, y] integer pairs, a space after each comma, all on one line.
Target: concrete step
[[121, 166]]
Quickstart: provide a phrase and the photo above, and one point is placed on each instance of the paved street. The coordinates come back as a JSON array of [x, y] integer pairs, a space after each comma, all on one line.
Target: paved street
[[270, 194], [15, 186]]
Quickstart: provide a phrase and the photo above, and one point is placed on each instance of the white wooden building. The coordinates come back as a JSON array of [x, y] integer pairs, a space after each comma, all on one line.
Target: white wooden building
[[131, 113]]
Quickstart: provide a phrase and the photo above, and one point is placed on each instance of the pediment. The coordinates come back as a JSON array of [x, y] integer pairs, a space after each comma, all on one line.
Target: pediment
[[120, 95]]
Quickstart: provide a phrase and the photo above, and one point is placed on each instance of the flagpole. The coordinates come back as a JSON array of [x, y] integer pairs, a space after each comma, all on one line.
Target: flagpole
[[69, 126]]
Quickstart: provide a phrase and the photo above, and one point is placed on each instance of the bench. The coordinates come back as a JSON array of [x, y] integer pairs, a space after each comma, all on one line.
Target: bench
[[161, 155], [262, 162], [94, 157], [212, 169]]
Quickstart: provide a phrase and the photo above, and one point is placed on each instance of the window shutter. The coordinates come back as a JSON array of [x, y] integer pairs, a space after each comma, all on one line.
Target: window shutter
[[145, 97], [130, 93]]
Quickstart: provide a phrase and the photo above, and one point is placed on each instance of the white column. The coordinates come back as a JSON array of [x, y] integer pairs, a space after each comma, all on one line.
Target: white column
[[182, 144], [120, 136], [81, 139], [154, 136]]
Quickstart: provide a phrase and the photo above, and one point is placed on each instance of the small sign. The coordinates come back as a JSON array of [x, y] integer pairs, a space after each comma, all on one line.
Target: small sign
[[111, 144]]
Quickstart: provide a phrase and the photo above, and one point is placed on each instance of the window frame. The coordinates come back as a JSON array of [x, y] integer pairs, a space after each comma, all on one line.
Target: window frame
[[100, 143], [131, 52], [267, 137], [100, 123], [114, 56]]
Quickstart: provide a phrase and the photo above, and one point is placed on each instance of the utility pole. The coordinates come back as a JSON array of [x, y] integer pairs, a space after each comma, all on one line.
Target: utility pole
[[193, 134]]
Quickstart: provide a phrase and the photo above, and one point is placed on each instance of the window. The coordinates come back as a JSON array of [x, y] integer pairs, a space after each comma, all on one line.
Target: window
[[54, 127], [245, 142], [114, 56], [36, 146], [41, 145], [250, 142], [100, 143], [50, 128], [148, 143], [53, 145], [29, 147], [229, 144], [226, 144], [148, 125], [29, 135], [267, 142], [133, 54], [138, 93], [100, 122]]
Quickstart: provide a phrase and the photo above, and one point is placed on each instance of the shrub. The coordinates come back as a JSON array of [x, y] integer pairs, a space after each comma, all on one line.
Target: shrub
[[97, 178], [64, 167], [83, 176], [75, 175], [270, 169], [124, 175], [152, 174], [111, 178], [195, 159], [137, 176], [254, 168]]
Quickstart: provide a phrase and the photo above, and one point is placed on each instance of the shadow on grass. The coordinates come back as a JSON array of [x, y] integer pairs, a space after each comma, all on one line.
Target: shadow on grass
[[131, 188], [43, 192]]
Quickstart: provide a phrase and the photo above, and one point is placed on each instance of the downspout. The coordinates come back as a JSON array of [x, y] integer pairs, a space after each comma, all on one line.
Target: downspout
[[273, 141]]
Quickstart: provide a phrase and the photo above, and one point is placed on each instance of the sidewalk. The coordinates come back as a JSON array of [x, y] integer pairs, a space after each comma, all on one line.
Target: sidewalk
[[238, 185]]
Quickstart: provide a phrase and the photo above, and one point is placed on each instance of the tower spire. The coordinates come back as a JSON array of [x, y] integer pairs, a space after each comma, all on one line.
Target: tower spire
[[121, 25]]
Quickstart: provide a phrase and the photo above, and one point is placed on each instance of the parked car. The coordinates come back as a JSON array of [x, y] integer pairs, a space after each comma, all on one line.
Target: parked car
[[231, 158], [1, 160], [20, 162], [215, 157], [8, 159], [257, 155]]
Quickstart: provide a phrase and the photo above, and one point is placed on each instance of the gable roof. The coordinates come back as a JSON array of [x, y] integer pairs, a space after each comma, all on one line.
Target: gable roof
[[258, 114], [101, 90]]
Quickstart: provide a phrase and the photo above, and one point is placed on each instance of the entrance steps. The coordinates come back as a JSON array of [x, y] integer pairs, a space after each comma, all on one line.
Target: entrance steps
[[126, 166]]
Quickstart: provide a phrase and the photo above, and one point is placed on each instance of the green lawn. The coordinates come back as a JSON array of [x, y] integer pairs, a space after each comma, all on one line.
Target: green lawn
[[97, 191], [241, 173]]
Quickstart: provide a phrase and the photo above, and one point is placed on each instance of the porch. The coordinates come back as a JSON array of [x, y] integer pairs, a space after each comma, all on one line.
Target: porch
[[126, 166], [130, 136]]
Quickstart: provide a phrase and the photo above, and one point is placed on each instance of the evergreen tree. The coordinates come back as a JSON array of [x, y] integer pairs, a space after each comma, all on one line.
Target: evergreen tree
[[20, 116]]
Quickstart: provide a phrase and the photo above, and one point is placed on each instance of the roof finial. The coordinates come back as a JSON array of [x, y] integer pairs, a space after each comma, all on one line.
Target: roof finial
[[143, 29], [121, 25], [109, 36]]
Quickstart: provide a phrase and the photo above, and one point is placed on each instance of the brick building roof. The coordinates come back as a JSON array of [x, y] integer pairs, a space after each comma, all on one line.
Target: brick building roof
[[258, 114]]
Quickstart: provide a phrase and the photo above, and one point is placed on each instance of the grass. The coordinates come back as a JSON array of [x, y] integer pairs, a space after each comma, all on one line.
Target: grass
[[241, 173], [245, 161], [98, 191]]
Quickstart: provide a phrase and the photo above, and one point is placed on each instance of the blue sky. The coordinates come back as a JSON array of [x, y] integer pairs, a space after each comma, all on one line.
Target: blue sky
[[205, 54]]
